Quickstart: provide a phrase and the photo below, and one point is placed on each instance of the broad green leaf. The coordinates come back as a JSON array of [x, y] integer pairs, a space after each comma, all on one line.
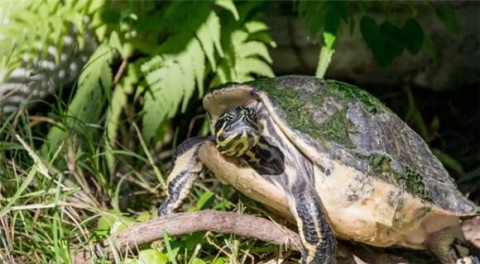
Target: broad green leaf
[[144, 217], [412, 34], [197, 261], [221, 260], [121, 224], [371, 33], [107, 219], [392, 41], [148, 256]]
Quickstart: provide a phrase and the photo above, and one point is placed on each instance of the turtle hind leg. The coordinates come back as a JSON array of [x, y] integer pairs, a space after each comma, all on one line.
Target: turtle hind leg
[[450, 247], [186, 168], [318, 240]]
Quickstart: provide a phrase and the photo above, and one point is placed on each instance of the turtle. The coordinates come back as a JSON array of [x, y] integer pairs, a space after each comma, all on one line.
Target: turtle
[[331, 158]]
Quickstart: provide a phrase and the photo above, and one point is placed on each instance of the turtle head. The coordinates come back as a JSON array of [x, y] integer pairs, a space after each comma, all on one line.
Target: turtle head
[[237, 131]]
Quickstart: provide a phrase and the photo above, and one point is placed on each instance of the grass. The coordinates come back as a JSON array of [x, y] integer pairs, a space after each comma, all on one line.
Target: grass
[[63, 198]]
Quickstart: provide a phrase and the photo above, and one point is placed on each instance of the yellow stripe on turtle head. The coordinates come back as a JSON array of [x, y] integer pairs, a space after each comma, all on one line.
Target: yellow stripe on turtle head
[[237, 131]]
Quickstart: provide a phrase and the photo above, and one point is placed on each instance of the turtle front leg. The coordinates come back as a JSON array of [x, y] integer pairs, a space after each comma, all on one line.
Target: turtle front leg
[[185, 169], [318, 241]]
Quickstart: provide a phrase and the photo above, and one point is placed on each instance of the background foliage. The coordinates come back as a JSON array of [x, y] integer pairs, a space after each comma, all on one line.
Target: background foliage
[[102, 145]]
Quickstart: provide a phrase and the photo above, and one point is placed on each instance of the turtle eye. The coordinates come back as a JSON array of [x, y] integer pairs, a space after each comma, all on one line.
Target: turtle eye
[[229, 116], [250, 115]]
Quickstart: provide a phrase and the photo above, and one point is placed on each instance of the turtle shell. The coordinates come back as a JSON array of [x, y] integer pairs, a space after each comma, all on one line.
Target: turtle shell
[[376, 164]]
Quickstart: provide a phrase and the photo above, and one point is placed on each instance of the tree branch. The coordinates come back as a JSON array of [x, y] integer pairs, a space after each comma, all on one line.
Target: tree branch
[[184, 223]]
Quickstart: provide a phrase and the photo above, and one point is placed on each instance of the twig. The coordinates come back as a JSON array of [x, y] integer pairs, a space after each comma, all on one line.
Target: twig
[[120, 71], [184, 223]]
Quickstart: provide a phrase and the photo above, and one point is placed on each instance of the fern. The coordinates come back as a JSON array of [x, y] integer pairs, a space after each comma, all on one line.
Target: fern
[[43, 46], [171, 80], [29, 28], [233, 46], [86, 108], [246, 46], [326, 17]]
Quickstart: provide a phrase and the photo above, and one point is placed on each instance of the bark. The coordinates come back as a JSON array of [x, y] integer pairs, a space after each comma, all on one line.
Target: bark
[[184, 223]]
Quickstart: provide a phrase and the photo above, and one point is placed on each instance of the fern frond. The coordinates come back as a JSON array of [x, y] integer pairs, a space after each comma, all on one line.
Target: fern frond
[[209, 35], [93, 91], [179, 68], [29, 28], [247, 53], [172, 80], [43, 45]]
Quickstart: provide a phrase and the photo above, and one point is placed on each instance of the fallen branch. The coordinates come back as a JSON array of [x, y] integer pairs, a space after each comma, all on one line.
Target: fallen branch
[[184, 223]]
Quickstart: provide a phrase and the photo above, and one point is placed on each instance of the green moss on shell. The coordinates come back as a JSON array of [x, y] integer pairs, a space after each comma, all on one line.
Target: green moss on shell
[[351, 93], [297, 115], [410, 180], [336, 129]]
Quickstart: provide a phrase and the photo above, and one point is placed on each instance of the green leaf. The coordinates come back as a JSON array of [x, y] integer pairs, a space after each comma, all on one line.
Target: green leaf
[[220, 260], [447, 16], [392, 40], [371, 33], [254, 48], [412, 36], [171, 253], [107, 219], [172, 80], [252, 65], [255, 26], [31, 27], [209, 36], [230, 6], [119, 100], [314, 14], [148, 256], [92, 95], [329, 40], [197, 261], [204, 199], [121, 224], [430, 47], [332, 23]]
